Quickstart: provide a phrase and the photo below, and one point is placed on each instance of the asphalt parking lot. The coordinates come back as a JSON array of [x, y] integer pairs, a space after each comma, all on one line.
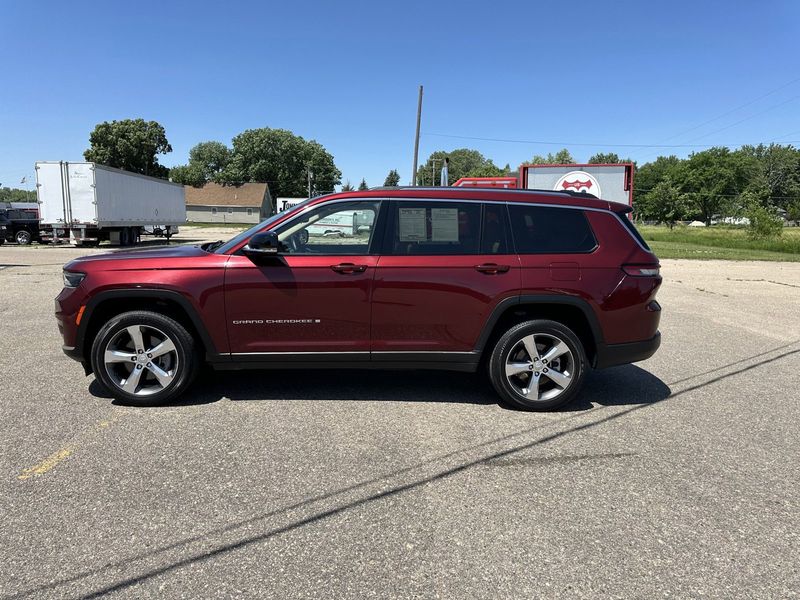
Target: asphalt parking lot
[[675, 477]]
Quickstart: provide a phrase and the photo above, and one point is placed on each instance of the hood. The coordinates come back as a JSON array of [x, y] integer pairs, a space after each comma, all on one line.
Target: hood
[[137, 254]]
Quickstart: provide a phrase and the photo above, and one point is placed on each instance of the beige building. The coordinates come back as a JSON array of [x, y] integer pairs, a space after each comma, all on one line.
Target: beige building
[[216, 203]]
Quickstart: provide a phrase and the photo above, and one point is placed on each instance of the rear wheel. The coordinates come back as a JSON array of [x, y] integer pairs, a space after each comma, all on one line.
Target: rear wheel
[[538, 365], [23, 237], [144, 358]]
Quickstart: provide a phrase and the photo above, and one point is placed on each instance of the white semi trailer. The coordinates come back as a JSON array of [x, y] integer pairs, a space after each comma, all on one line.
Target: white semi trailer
[[88, 203]]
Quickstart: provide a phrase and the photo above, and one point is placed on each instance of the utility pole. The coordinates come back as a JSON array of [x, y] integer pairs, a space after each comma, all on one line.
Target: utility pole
[[310, 179], [416, 138], [433, 170]]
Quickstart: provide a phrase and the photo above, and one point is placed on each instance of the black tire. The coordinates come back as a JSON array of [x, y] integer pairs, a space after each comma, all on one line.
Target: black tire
[[184, 361], [23, 237], [570, 366]]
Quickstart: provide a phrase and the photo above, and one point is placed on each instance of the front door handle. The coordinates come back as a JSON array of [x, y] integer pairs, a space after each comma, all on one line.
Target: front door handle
[[492, 269], [348, 268]]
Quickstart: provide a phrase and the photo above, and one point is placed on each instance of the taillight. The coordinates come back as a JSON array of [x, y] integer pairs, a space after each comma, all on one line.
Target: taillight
[[642, 270]]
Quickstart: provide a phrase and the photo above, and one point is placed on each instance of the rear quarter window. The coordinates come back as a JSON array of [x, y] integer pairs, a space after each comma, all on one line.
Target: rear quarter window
[[634, 232], [550, 230]]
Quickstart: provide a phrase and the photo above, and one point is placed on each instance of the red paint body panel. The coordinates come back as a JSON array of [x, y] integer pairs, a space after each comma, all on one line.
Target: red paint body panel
[[437, 303], [301, 288], [195, 275]]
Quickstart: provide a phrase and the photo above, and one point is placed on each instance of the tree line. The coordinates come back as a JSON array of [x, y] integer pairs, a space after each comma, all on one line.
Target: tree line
[[287, 162], [8, 194], [753, 181]]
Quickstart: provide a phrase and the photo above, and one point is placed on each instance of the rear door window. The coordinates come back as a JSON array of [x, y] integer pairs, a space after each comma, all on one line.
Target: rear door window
[[495, 235], [433, 228], [550, 230]]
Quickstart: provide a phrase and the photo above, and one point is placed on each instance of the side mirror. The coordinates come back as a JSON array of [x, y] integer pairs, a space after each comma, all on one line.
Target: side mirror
[[262, 245]]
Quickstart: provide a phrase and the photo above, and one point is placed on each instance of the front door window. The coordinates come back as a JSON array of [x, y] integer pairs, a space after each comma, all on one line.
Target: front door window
[[344, 228]]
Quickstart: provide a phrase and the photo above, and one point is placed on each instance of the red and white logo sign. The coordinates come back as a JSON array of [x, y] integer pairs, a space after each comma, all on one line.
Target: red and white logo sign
[[578, 181]]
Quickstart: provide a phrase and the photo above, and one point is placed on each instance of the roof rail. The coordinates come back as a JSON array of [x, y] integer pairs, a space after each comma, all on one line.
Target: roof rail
[[491, 189]]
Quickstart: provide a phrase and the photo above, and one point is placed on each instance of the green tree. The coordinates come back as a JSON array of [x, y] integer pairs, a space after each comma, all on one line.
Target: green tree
[[649, 175], [463, 162], [715, 178], [8, 194], [282, 159], [363, 185], [188, 175], [607, 158], [130, 144], [212, 157], [392, 179], [793, 212], [347, 187], [562, 157], [207, 160], [665, 203], [777, 172], [764, 223], [489, 169]]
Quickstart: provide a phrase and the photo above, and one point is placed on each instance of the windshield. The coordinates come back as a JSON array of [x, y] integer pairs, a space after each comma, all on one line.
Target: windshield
[[233, 242]]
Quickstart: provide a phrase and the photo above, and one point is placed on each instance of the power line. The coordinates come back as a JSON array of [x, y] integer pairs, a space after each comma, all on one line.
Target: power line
[[792, 99], [593, 144], [731, 111]]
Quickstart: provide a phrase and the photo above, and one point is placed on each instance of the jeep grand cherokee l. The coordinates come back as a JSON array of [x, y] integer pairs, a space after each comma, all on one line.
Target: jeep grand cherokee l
[[535, 287]]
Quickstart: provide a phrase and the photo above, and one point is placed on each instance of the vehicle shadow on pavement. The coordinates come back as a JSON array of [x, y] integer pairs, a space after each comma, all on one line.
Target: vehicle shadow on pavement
[[619, 386]]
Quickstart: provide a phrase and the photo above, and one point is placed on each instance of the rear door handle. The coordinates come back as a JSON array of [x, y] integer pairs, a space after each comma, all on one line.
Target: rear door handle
[[492, 269], [349, 268]]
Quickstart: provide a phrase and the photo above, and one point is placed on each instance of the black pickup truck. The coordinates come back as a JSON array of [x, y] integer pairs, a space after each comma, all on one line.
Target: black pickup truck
[[18, 225]]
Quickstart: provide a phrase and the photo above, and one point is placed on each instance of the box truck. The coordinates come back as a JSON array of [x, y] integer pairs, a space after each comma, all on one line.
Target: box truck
[[89, 203]]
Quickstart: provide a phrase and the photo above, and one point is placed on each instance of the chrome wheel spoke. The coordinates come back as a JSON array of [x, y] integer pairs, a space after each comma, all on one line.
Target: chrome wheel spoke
[[135, 332], [166, 346], [515, 368], [557, 350], [163, 377], [530, 347], [117, 356], [562, 380], [132, 381], [532, 391]]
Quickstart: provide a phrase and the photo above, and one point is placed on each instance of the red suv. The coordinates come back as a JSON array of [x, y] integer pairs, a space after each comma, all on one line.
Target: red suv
[[534, 286]]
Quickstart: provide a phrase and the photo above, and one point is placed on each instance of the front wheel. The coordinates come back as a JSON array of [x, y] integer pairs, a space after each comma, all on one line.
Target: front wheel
[[144, 358], [538, 365]]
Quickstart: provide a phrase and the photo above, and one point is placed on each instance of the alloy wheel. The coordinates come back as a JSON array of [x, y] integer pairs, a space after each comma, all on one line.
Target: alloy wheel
[[141, 360], [23, 237], [540, 367]]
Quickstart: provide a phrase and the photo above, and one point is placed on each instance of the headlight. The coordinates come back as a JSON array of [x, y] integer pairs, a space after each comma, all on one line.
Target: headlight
[[72, 280]]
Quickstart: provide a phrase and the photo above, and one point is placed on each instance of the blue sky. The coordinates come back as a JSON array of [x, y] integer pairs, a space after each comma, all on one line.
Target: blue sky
[[347, 73]]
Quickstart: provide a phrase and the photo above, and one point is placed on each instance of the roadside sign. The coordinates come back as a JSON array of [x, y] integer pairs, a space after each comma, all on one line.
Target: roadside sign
[[612, 182]]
